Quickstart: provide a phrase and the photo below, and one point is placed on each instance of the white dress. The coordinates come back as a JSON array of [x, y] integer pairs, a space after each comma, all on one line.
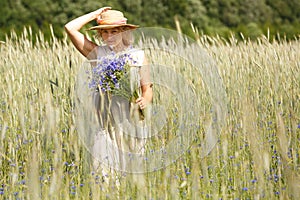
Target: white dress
[[122, 130]]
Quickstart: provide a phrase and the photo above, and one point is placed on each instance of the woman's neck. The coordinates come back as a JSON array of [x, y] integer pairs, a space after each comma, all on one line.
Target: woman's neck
[[118, 48]]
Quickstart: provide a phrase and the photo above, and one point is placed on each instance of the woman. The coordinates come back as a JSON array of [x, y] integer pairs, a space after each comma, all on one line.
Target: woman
[[107, 30], [112, 28]]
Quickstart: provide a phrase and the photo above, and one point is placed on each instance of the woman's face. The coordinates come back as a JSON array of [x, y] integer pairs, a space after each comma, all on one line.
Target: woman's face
[[111, 36]]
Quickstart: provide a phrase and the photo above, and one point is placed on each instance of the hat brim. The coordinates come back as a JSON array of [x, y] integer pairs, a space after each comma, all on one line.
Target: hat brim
[[112, 26]]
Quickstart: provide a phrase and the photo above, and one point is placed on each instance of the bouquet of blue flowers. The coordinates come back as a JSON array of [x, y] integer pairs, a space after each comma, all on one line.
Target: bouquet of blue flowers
[[111, 75]]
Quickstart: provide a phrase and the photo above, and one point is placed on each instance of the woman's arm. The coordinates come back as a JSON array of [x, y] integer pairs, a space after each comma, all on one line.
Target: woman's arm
[[146, 87], [72, 28]]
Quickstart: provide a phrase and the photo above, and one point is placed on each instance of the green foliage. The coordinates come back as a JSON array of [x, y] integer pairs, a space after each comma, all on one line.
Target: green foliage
[[251, 30], [207, 15]]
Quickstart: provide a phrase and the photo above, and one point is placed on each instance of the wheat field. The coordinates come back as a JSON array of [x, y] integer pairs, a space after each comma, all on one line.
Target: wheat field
[[256, 156]]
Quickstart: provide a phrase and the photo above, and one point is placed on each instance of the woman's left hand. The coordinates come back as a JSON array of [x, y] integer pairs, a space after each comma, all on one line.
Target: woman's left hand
[[142, 102], [100, 11]]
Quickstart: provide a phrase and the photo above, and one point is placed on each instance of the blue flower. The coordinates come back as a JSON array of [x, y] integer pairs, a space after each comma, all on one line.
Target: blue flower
[[108, 72], [254, 181], [187, 171]]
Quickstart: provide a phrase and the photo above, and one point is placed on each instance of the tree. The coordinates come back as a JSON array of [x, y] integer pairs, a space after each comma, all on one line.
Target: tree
[[229, 13], [210, 16], [254, 11], [153, 13]]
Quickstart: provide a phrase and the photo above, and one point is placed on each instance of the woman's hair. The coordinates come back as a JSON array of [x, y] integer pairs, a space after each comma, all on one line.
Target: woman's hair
[[127, 37]]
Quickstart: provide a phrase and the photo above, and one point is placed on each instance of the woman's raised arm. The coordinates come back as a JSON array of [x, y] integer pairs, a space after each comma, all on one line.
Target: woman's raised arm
[[73, 27]]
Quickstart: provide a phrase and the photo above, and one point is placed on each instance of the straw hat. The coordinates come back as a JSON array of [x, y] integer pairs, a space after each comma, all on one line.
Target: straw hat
[[112, 19]]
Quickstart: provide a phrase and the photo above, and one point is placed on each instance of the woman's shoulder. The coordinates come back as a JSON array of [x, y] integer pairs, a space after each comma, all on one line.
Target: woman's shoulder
[[136, 51], [137, 55]]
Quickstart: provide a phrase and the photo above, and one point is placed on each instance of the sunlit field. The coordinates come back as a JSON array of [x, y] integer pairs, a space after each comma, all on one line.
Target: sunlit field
[[256, 155]]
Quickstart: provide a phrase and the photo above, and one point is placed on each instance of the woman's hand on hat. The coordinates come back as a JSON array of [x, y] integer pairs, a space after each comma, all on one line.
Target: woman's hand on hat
[[100, 11]]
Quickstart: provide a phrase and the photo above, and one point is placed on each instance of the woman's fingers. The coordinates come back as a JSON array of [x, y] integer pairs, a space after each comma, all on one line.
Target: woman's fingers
[[106, 8], [141, 102], [101, 10]]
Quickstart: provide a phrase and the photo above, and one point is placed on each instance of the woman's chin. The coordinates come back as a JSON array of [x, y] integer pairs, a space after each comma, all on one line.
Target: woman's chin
[[111, 44]]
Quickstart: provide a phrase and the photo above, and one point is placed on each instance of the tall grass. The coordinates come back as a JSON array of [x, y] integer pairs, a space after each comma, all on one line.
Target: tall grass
[[257, 155]]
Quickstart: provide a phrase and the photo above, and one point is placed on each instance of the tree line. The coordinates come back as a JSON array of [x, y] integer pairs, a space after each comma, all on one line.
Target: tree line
[[252, 18]]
